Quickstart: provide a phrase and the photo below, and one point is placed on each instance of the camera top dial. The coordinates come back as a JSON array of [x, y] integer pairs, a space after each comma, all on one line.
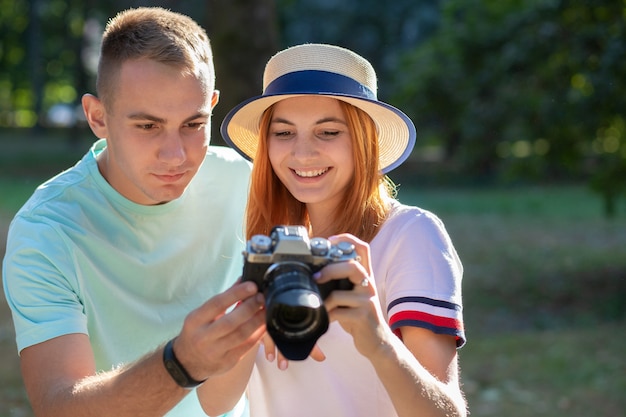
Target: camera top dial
[[320, 246], [260, 244], [341, 249]]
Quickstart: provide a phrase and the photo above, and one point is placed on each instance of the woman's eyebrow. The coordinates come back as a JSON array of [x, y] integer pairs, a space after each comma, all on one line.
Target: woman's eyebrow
[[330, 120], [320, 121], [281, 120]]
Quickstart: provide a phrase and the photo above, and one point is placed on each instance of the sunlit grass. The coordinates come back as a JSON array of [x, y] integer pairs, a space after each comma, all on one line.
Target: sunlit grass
[[539, 257], [578, 372]]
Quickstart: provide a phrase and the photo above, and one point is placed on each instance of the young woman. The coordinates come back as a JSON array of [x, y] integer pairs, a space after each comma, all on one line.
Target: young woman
[[322, 143]]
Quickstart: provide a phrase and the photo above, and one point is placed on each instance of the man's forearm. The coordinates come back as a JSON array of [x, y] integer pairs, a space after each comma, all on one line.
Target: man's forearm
[[143, 388]]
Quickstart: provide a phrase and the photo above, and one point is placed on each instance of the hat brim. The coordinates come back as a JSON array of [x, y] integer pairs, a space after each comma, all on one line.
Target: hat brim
[[396, 131]]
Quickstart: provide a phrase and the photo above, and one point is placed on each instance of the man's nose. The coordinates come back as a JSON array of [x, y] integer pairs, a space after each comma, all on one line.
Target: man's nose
[[173, 150]]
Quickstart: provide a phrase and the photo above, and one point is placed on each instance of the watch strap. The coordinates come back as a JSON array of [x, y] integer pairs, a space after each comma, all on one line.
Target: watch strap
[[176, 370]]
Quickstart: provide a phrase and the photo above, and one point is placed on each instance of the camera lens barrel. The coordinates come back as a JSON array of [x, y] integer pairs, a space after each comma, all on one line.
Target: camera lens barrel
[[295, 314], [293, 302]]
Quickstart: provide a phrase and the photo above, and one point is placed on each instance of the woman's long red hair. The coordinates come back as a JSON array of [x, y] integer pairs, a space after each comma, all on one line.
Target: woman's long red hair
[[364, 206]]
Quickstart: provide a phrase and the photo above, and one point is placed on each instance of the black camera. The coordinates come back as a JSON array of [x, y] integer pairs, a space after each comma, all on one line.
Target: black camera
[[282, 265]]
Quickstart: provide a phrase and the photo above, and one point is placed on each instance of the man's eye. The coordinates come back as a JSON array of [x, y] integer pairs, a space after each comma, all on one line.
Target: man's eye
[[196, 125], [146, 126]]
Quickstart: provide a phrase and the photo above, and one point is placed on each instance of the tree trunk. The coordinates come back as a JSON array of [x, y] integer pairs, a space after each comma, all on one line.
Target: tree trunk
[[243, 36]]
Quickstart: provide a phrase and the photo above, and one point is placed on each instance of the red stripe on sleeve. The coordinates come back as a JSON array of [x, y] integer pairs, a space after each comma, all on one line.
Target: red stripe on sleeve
[[437, 321]]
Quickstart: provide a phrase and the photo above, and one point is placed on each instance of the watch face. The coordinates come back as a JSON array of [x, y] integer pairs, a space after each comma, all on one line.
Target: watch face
[[176, 373], [175, 368]]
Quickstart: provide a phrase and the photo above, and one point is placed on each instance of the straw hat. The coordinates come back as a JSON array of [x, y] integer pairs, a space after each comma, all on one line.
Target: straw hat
[[326, 70]]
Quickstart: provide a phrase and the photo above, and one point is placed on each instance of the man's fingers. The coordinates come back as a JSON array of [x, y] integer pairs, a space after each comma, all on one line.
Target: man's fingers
[[243, 322], [238, 342], [209, 326], [217, 306]]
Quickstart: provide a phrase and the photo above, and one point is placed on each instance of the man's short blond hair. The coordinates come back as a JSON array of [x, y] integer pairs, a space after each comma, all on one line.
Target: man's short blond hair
[[157, 34]]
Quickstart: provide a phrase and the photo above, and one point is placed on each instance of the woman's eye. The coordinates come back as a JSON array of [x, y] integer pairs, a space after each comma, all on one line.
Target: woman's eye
[[282, 134], [329, 134]]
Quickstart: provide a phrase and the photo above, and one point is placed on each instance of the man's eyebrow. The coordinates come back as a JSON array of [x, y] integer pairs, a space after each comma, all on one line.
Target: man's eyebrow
[[199, 115], [146, 116]]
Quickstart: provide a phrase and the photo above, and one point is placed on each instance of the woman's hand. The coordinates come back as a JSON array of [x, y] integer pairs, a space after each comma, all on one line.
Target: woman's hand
[[357, 311]]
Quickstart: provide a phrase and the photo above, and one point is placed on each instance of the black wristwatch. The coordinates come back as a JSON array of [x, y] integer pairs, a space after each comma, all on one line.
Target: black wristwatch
[[176, 370]]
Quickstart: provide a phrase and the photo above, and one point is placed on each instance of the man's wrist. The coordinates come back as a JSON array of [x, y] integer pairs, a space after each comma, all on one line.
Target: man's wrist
[[176, 370]]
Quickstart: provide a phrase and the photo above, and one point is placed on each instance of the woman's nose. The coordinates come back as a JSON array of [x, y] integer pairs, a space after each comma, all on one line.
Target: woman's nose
[[304, 147]]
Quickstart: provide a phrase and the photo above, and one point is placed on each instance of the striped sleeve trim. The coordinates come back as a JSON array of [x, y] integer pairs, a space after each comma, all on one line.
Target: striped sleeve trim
[[441, 317]]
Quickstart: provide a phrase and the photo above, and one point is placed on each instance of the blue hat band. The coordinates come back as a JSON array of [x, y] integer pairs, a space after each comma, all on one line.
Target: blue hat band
[[318, 82]]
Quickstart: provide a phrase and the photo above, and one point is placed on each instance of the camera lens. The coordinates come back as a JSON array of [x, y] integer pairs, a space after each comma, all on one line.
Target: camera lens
[[293, 319], [293, 304]]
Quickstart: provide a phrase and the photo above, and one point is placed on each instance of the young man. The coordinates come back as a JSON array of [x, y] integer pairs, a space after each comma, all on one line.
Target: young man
[[138, 244]]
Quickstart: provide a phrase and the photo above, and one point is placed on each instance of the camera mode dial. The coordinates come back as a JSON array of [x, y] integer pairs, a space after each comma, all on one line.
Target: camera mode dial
[[341, 249], [320, 246], [260, 243]]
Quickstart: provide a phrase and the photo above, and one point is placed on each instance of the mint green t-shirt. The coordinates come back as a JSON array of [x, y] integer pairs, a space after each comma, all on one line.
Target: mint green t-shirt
[[81, 258]]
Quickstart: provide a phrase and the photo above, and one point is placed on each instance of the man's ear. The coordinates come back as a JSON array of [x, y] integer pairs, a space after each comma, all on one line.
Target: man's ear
[[215, 98], [95, 114]]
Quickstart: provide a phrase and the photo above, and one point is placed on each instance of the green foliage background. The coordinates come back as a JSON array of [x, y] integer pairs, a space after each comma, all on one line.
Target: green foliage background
[[501, 91], [525, 90]]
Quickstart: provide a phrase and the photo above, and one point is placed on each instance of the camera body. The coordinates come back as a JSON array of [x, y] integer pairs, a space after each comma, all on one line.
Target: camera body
[[282, 266]]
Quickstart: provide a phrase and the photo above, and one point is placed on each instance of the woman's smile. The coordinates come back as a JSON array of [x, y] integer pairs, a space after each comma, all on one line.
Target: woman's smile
[[302, 173]]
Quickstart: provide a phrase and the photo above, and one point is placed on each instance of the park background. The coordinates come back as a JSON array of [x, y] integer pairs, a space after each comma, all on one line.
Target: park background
[[520, 110]]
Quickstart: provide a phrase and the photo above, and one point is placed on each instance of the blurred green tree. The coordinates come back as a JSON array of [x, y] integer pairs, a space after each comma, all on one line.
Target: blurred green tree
[[525, 89], [508, 90], [49, 52], [41, 45]]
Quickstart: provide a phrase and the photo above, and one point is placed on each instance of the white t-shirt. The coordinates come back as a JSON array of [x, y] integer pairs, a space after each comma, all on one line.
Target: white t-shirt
[[418, 278], [81, 258]]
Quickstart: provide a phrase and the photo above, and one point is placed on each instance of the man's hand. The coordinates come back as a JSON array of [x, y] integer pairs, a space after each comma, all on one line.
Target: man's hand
[[212, 341]]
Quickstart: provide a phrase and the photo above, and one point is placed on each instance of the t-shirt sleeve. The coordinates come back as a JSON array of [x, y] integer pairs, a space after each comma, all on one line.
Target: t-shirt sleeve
[[44, 300], [423, 278]]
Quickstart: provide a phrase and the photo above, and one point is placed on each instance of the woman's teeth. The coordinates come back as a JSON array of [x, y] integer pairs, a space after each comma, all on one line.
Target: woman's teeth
[[310, 174]]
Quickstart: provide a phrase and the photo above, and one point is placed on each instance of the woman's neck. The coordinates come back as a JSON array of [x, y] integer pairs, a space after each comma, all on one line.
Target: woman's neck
[[321, 218]]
